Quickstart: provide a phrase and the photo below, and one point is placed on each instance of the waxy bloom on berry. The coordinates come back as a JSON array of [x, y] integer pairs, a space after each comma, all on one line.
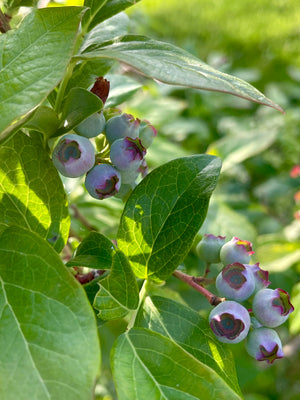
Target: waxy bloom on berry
[[147, 133], [272, 307], [74, 155], [236, 282], [103, 181], [236, 250], [121, 126], [91, 126], [127, 153], [230, 322], [208, 249], [264, 344], [261, 277]]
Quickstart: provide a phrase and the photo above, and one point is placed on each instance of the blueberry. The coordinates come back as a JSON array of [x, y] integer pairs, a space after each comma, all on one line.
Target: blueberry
[[272, 307], [103, 181], [264, 344], [73, 155], [208, 249], [91, 126], [147, 133], [236, 250], [236, 282], [230, 322], [261, 277], [127, 153], [121, 126]]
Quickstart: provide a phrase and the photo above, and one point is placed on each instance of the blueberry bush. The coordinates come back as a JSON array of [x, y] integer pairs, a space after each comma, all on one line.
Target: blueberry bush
[[92, 237]]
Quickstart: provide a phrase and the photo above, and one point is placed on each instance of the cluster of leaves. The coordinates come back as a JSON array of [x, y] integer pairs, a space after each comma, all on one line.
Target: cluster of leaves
[[48, 332]]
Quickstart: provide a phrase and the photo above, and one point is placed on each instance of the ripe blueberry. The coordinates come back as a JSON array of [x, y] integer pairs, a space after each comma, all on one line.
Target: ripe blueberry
[[103, 181], [73, 155]]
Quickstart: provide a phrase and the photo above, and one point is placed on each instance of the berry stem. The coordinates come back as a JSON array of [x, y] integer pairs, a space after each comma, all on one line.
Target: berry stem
[[207, 269], [192, 281]]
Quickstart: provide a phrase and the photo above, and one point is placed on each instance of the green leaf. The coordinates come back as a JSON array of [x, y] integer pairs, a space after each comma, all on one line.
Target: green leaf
[[121, 88], [48, 337], [101, 10], [118, 294], [191, 332], [95, 251], [109, 29], [172, 65], [80, 104], [34, 58], [31, 193], [44, 120], [164, 213], [166, 370]]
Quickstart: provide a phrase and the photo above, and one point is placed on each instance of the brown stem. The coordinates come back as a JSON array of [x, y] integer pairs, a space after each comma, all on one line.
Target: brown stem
[[192, 281], [81, 218], [4, 22], [201, 280]]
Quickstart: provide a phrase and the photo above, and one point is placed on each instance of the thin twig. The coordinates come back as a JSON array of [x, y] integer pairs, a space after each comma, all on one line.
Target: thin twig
[[192, 281], [81, 218]]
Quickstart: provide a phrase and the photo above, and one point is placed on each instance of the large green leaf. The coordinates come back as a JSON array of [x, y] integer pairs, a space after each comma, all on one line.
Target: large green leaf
[[34, 58], [31, 193], [147, 365], [164, 213], [170, 64], [48, 337], [118, 294], [191, 332]]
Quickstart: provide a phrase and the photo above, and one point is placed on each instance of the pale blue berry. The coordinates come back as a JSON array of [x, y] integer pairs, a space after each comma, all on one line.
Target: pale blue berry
[[92, 126], [103, 181], [73, 155], [272, 307], [261, 276], [121, 126], [147, 133], [236, 250], [236, 282], [230, 322], [264, 344], [127, 153]]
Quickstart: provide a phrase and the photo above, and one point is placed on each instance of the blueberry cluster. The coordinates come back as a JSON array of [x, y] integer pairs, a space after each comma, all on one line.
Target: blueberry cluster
[[127, 140], [238, 282]]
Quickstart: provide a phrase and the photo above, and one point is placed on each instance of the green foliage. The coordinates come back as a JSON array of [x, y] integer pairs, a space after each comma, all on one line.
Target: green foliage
[[32, 195], [49, 344], [56, 279], [164, 213], [54, 34]]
